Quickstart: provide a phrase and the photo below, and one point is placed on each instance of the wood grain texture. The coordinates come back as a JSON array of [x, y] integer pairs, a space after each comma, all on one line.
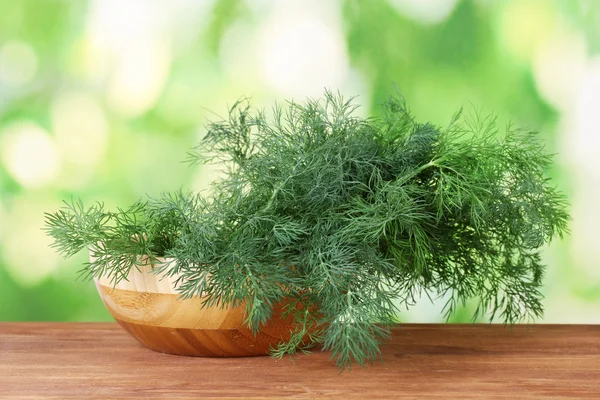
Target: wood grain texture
[[149, 308], [100, 361], [143, 278]]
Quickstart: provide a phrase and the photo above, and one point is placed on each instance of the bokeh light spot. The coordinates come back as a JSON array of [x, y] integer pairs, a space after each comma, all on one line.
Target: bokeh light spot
[[583, 145], [27, 255], [237, 54], [130, 42], [301, 55], [587, 118], [524, 25], [18, 63], [139, 78], [30, 154], [80, 128], [558, 65]]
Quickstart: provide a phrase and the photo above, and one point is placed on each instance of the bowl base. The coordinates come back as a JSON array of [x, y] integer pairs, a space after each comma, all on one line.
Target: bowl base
[[201, 342]]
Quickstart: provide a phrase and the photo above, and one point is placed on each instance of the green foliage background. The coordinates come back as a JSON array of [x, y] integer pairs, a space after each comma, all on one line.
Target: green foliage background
[[101, 100]]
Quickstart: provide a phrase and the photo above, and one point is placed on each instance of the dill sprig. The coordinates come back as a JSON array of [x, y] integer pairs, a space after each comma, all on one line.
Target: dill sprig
[[344, 218]]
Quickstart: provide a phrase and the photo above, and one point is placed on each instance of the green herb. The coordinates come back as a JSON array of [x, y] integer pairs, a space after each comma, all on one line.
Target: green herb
[[351, 218]]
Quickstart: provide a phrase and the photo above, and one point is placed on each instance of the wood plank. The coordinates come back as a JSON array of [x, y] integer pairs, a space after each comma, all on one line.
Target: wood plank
[[100, 361]]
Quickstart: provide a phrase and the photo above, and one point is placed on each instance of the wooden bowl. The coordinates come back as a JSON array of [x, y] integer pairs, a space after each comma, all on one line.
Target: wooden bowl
[[149, 308]]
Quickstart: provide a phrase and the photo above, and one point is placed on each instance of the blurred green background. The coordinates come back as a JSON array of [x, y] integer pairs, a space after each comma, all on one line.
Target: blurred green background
[[101, 100]]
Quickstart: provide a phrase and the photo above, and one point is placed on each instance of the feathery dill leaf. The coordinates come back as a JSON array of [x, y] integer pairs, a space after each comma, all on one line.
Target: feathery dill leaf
[[348, 217]]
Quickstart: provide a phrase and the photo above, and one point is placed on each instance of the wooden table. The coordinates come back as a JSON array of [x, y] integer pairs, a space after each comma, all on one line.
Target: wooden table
[[100, 361]]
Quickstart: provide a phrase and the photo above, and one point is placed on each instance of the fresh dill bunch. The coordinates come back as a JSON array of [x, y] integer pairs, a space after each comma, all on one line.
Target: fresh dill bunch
[[346, 219]]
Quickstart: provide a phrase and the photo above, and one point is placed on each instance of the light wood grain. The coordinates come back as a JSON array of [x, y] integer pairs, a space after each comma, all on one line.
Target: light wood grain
[[100, 361], [168, 310], [143, 278], [147, 305]]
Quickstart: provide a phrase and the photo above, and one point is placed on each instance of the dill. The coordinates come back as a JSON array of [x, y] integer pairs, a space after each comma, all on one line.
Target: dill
[[348, 217]]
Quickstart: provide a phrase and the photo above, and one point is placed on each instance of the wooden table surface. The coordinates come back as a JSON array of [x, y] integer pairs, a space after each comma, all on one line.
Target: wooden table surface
[[100, 361]]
